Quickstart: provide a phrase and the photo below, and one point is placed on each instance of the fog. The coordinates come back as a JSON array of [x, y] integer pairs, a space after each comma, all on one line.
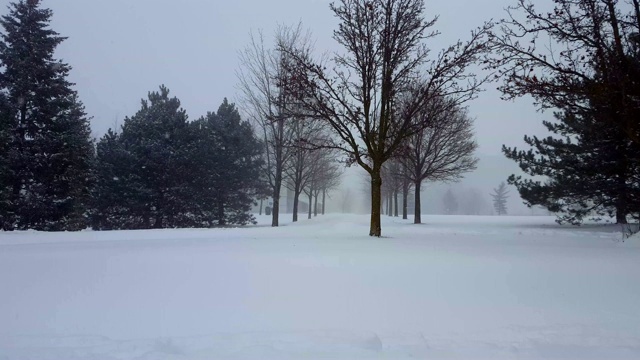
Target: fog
[[121, 49]]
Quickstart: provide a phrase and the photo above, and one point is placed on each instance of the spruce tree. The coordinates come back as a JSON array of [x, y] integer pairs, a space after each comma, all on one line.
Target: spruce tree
[[589, 168], [229, 162], [6, 173], [157, 137], [117, 188], [500, 196], [49, 152]]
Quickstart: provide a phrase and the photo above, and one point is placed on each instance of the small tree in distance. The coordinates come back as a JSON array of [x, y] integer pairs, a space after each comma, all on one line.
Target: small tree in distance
[[500, 196], [443, 152], [450, 203]]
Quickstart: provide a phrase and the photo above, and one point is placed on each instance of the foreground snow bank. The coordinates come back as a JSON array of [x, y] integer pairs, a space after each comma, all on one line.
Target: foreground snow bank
[[454, 288]]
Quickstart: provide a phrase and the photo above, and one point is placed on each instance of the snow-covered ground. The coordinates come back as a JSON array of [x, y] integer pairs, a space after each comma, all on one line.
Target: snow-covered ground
[[455, 288]]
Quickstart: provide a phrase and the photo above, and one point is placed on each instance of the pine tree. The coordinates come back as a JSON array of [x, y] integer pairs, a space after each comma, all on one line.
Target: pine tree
[[500, 196], [6, 174], [590, 163], [117, 187], [158, 136], [229, 167], [590, 168], [49, 152]]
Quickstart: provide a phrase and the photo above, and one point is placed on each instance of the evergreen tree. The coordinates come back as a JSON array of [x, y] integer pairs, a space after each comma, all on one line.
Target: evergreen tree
[[117, 189], [162, 171], [157, 136], [6, 174], [228, 174], [500, 196], [48, 147], [590, 168], [143, 172]]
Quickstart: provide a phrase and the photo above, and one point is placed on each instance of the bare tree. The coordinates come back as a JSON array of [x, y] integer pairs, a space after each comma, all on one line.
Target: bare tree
[[385, 59], [442, 152], [328, 178], [392, 181], [324, 175], [406, 187], [262, 78], [299, 169], [578, 50]]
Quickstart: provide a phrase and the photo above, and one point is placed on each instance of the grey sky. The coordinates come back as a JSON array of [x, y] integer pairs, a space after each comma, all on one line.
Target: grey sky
[[121, 49]]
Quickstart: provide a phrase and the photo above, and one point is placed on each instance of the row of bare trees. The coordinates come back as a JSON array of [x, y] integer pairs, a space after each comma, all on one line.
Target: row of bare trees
[[296, 157], [442, 152], [372, 93], [382, 97], [387, 97]]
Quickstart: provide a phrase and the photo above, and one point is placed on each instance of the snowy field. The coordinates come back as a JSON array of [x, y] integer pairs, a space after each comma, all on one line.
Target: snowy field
[[454, 288]]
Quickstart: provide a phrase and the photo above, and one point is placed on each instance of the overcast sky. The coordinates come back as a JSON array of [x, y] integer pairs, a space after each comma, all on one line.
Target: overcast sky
[[121, 49]]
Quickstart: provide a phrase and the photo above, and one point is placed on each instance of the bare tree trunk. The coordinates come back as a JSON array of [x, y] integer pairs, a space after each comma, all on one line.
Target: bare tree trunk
[[275, 212], [278, 175], [296, 197], [315, 205], [416, 214], [324, 197], [376, 203], [395, 203], [405, 199], [260, 213], [310, 199]]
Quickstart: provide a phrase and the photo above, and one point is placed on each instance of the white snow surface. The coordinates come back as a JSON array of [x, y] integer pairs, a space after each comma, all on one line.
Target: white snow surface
[[457, 287]]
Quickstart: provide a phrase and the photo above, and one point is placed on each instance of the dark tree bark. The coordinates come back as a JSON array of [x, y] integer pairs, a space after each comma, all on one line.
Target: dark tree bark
[[416, 211], [315, 204], [405, 198], [296, 198], [375, 226]]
